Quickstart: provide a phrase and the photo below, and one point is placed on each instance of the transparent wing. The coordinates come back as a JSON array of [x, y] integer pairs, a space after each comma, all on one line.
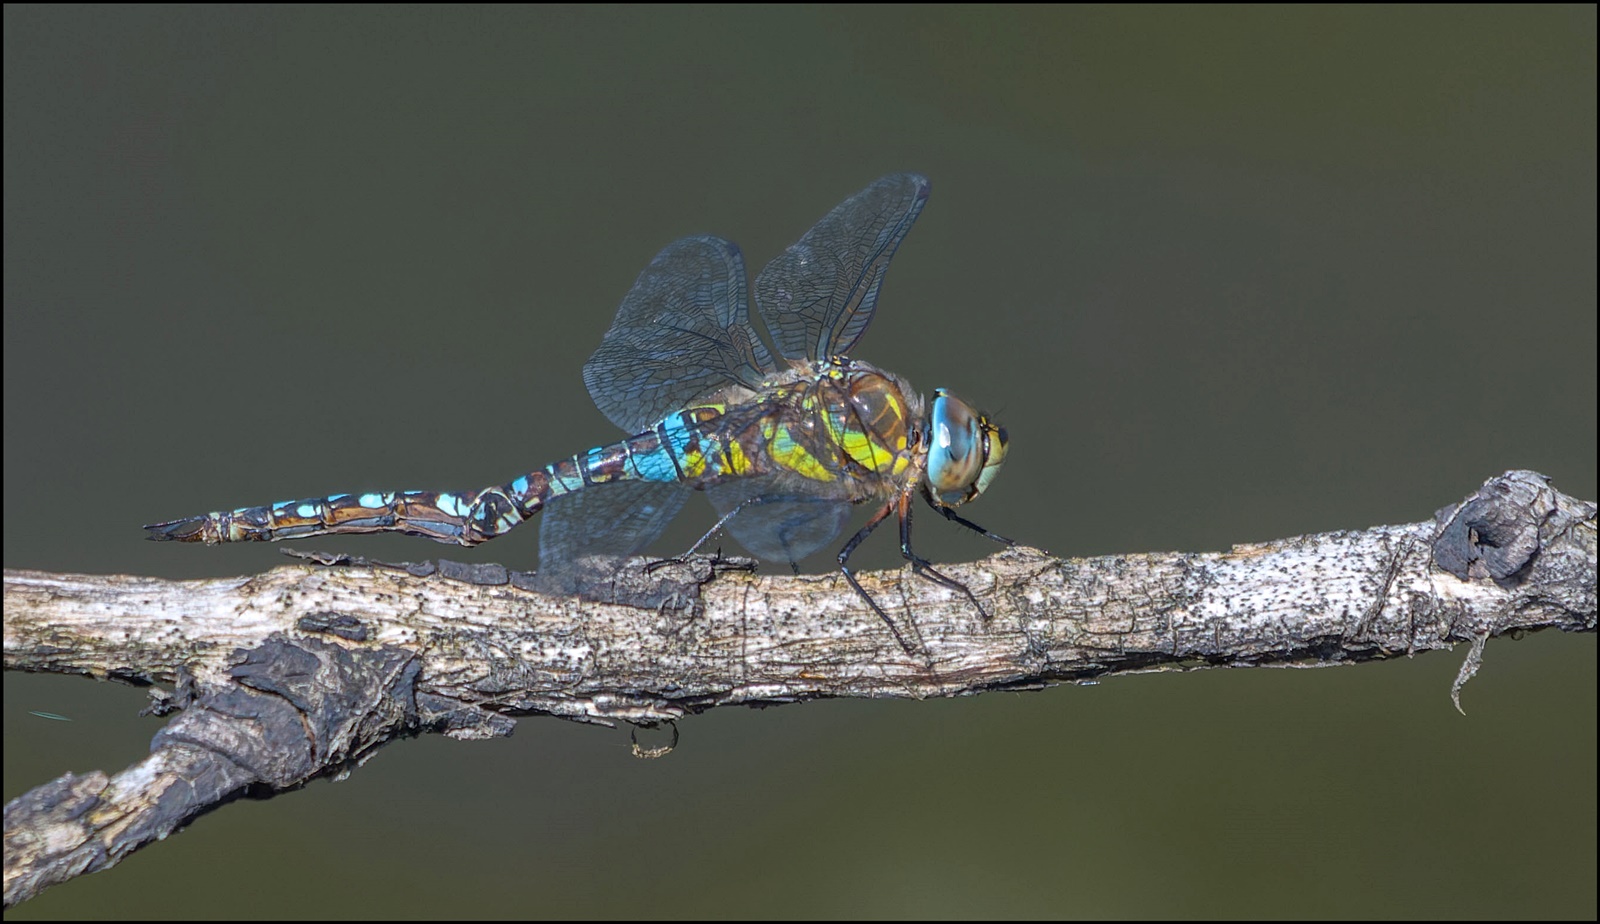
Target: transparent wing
[[590, 530], [775, 524], [682, 332], [817, 297]]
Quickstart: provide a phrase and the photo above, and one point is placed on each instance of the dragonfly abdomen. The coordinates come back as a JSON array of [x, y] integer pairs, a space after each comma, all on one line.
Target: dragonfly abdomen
[[679, 449], [456, 517]]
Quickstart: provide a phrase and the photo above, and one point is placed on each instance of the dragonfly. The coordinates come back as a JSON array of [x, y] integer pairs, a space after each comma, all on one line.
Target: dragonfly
[[787, 441]]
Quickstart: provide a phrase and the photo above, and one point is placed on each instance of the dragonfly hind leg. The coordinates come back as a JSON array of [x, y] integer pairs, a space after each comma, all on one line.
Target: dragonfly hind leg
[[776, 526]]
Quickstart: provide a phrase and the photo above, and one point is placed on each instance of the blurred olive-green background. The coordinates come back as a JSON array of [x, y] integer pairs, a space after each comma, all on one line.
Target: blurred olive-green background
[[1227, 275]]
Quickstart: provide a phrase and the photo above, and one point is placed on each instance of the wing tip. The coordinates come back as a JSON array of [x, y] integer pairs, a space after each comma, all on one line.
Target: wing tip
[[920, 181]]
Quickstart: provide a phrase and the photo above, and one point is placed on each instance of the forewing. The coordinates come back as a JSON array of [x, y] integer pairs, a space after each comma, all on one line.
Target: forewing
[[682, 333], [817, 297]]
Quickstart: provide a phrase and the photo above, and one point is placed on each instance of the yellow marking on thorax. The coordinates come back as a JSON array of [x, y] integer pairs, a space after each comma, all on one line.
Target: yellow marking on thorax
[[870, 450], [793, 456]]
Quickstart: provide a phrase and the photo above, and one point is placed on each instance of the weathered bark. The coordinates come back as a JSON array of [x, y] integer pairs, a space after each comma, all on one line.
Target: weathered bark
[[305, 670]]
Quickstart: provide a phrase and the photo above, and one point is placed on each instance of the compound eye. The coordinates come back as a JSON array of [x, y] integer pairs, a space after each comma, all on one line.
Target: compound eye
[[956, 449]]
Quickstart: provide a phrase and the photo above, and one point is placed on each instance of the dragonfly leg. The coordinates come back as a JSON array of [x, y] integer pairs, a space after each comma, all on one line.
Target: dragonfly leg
[[950, 514], [844, 568], [923, 567], [723, 521], [715, 528]]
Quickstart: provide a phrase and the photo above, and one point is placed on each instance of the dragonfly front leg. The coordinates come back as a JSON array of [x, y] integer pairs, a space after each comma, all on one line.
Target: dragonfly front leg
[[951, 515]]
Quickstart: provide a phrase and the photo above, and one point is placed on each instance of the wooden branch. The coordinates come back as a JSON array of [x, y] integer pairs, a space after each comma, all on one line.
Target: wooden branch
[[305, 670]]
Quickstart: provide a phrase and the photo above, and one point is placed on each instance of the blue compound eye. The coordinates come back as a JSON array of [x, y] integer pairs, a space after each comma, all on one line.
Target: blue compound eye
[[965, 450], [955, 449]]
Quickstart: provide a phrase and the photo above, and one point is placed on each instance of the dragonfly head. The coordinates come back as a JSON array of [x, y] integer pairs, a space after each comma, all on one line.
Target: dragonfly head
[[965, 450]]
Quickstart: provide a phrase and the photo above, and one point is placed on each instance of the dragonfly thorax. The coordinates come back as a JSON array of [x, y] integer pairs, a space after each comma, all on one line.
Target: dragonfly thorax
[[840, 419]]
